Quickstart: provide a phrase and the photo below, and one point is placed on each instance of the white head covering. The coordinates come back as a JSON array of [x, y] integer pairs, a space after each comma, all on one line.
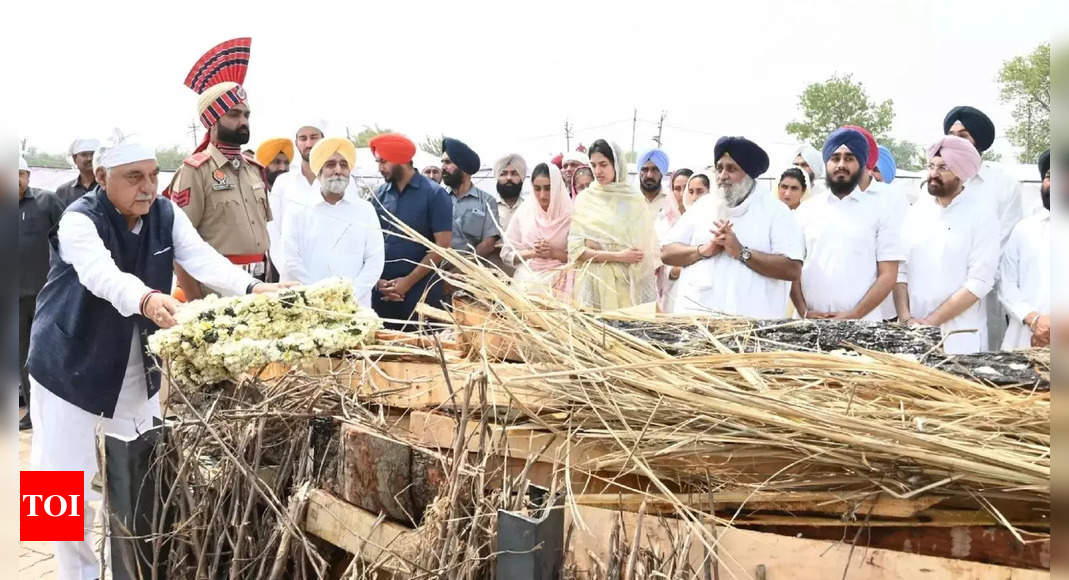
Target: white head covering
[[83, 146], [124, 149], [813, 158], [98, 156], [576, 156], [23, 166]]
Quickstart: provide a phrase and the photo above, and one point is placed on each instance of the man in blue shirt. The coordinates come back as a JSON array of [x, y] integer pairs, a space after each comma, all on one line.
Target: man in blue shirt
[[421, 204]]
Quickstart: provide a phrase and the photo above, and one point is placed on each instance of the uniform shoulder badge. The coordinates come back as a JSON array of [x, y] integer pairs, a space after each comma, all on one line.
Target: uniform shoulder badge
[[197, 159], [252, 161]]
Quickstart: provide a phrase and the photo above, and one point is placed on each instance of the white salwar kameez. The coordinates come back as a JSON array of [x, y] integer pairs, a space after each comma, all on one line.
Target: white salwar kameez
[[64, 435], [1024, 277], [948, 249]]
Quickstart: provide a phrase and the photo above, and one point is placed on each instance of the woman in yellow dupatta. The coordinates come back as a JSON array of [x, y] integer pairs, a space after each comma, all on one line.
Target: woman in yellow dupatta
[[612, 242]]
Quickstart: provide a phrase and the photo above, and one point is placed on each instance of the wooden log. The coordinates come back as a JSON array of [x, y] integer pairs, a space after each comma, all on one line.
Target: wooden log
[[808, 502], [361, 533]]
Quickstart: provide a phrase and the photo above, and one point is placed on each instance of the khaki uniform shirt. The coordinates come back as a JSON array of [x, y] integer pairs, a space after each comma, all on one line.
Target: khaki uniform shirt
[[227, 206]]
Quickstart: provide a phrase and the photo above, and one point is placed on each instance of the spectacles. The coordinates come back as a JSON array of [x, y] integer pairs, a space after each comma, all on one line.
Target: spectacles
[[941, 168]]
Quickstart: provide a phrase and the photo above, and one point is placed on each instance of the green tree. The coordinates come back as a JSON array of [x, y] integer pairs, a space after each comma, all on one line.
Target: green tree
[[1024, 81], [907, 154], [433, 145], [836, 102], [170, 158], [36, 158], [362, 138]]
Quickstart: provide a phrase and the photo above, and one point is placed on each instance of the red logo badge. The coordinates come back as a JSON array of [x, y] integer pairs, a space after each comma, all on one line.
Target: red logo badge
[[51, 506]]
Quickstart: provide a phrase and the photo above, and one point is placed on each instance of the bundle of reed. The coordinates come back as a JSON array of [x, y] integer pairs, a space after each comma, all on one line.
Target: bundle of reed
[[788, 421]]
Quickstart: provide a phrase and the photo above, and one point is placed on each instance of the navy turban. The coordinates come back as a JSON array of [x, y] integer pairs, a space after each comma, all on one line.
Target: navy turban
[[462, 155], [978, 124], [658, 157], [1044, 163], [854, 141], [750, 157]]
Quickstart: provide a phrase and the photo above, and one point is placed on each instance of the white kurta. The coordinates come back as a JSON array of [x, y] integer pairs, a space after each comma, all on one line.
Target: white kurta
[[343, 239], [998, 188], [1024, 277], [844, 239], [291, 193], [895, 202], [722, 283], [948, 249], [64, 435]]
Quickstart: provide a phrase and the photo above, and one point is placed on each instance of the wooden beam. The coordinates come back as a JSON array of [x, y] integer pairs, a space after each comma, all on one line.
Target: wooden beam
[[815, 502], [742, 551], [361, 533]]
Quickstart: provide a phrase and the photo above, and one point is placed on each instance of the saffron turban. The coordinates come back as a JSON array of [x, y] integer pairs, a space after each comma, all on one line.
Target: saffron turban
[[324, 149], [84, 146], [886, 165], [511, 160], [750, 157], [959, 155], [393, 147], [874, 149], [978, 124], [1044, 163], [125, 149], [268, 150], [812, 157], [853, 139], [658, 157]]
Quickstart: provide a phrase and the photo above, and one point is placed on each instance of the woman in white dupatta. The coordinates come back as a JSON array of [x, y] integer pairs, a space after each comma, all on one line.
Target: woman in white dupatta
[[612, 242], [537, 237]]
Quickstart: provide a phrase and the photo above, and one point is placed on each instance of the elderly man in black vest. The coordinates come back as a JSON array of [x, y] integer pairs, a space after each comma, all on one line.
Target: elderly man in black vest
[[108, 288]]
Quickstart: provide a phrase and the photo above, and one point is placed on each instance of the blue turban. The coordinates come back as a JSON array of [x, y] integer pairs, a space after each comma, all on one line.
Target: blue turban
[[462, 155], [750, 157], [854, 141], [658, 157], [886, 164]]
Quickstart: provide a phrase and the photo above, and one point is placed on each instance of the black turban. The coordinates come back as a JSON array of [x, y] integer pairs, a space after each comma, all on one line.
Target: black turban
[[462, 155], [976, 122], [1044, 163], [751, 158]]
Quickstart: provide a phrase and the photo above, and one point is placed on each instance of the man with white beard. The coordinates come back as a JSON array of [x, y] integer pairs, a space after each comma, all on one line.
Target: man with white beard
[[852, 242], [739, 246], [339, 235]]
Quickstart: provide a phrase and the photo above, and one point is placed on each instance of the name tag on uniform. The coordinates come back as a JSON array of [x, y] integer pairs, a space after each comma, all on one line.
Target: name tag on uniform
[[220, 181]]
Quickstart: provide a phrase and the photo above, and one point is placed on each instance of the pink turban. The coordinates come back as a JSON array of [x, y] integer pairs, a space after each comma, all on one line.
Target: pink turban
[[959, 155]]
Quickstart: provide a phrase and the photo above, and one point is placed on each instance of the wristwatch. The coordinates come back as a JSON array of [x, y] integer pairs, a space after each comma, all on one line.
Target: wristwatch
[[745, 255]]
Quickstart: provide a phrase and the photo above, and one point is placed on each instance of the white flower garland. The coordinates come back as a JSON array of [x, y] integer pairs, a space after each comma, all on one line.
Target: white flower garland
[[217, 339]]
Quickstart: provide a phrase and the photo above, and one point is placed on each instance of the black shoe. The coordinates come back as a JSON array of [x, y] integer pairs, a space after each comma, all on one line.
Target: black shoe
[[25, 423]]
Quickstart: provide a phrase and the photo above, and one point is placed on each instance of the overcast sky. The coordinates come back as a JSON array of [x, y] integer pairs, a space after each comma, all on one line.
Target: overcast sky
[[504, 78]]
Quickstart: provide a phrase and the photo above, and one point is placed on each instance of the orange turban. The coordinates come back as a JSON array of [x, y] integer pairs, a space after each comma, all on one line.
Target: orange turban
[[393, 147], [270, 149]]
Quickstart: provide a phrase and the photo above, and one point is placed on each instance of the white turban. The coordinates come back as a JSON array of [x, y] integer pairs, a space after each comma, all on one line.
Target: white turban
[[98, 156], [84, 146], [511, 160], [124, 149], [575, 156], [23, 166], [813, 158]]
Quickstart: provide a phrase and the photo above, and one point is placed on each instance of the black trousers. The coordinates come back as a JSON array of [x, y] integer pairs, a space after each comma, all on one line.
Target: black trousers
[[27, 305]]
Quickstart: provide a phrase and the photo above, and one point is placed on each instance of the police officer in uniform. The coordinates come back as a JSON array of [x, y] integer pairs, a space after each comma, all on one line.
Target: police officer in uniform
[[222, 191]]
